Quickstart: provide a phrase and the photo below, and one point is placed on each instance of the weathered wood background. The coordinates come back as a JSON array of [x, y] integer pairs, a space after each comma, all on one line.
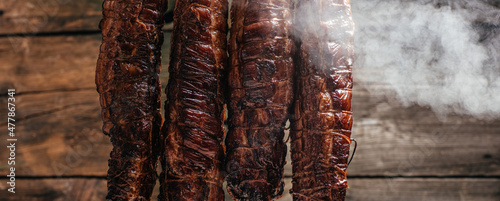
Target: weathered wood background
[[48, 51]]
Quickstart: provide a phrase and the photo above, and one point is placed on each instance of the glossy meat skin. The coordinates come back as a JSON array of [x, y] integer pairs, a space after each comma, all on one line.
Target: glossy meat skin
[[322, 119], [194, 111], [127, 79], [260, 80]]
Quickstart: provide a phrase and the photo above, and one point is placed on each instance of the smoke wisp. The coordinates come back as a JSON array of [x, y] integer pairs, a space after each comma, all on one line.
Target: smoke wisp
[[440, 54]]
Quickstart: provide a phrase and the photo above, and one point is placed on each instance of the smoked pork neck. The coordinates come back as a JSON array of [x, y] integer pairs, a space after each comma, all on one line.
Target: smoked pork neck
[[260, 95], [127, 79], [322, 117], [193, 154]]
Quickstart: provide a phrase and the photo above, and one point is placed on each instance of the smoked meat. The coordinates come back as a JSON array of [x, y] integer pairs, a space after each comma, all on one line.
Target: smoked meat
[[127, 79], [260, 97], [193, 133], [322, 116]]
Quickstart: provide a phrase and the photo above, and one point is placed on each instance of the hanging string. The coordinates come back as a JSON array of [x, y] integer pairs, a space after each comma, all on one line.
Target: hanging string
[[354, 151]]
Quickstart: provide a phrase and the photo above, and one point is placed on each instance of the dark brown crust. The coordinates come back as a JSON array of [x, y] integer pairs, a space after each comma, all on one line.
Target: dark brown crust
[[321, 126], [260, 81], [127, 79], [194, 111]]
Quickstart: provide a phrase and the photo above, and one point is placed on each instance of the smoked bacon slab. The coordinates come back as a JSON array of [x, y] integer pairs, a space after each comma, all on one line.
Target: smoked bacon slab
[[260, 97], [127, 79], [322, 119], [193, 132]]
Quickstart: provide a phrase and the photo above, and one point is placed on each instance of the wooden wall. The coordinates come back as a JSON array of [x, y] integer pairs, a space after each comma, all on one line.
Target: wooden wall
[[48, 52]]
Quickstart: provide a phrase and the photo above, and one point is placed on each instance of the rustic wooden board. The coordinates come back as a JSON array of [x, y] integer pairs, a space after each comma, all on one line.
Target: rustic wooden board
[[44, 16], [58, 133], [55, 189], [35, 17], [360, 189], [58, 121], [394, 140], [424, 189], [31, 64], [52, 63]]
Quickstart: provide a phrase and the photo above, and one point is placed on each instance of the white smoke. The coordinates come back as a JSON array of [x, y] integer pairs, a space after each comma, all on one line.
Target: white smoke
[[329, 22], [443, 55]]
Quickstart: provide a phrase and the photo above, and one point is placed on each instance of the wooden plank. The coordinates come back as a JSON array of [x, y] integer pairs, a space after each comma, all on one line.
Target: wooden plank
[[32, 17], [48, 63], [53, 62], [35, 16], [394, 140], [410, 189], [58, 122], [413, 141], [424, 189], [55, 189], [49, 16], [58, 134]]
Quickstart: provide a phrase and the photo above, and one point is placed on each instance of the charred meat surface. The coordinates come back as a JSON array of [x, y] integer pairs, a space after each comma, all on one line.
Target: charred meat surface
[[260, 97], [193, 132], [127, 79], [322, 119]]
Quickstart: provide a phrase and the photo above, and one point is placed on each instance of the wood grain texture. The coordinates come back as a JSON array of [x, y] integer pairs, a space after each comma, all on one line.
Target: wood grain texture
[[58, 134], [36, 16], [53, 63], [360, 189], [48, 63], [413, 141], [55, 190], [58, 121], [423, 189], [394, 140]]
